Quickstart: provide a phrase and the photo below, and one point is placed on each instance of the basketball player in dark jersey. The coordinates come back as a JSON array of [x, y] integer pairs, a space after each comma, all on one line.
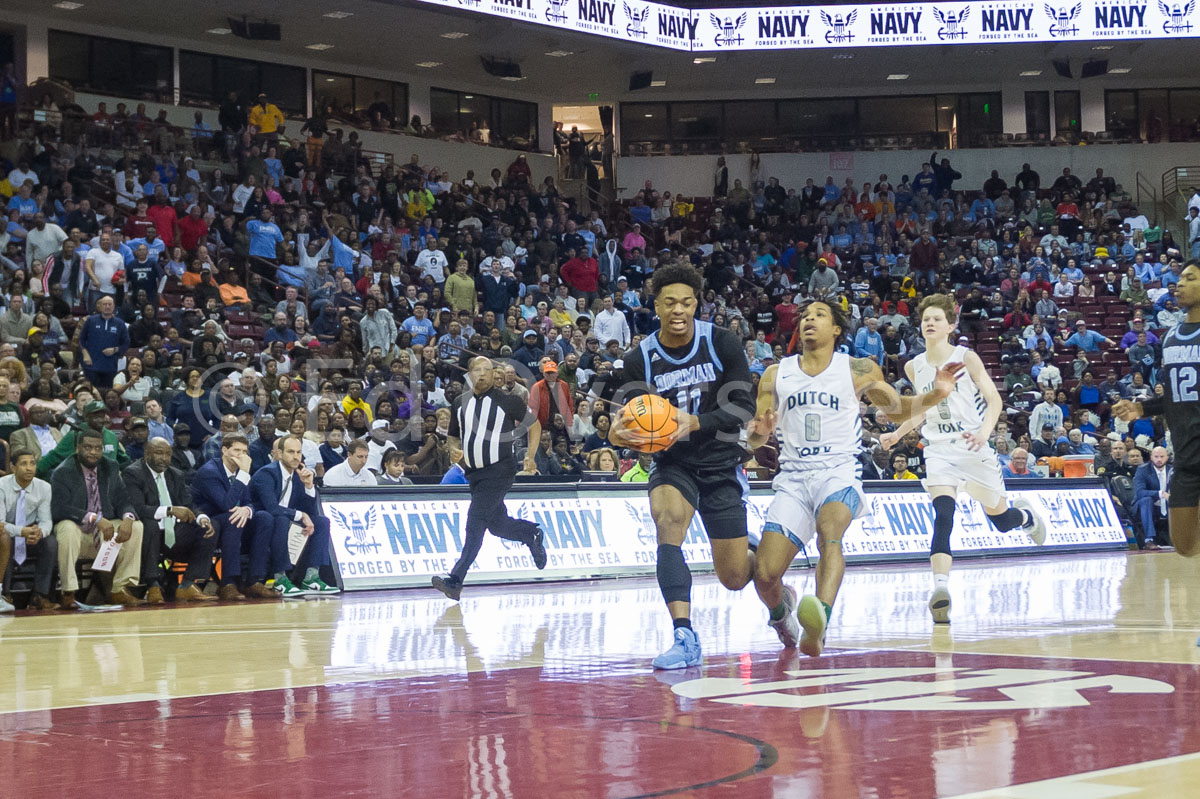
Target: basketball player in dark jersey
[[1180, 406], [702, 371]]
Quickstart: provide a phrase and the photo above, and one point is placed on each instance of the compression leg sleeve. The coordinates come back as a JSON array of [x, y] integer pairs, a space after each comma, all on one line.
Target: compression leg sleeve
[[674, 576], [943, 524], [1011, 519]]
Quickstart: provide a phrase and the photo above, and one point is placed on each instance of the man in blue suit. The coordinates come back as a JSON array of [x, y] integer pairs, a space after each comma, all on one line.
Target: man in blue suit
[[285, 495], [1150, 485], [221, 491]]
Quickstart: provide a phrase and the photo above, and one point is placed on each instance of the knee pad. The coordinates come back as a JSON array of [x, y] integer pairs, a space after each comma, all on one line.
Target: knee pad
[[674, 576], [943, 525]]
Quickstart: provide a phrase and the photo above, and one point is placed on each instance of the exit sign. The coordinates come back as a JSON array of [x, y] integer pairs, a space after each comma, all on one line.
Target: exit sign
[[593, 96]]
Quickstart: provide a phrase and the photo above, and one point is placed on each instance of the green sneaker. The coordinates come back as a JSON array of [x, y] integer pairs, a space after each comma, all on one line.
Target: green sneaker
[[285, 589], [319, 587]]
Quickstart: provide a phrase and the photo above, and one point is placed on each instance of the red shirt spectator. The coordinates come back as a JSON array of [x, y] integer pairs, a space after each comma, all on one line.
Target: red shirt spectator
[[167, 222], [136, 225], [924, 253], [192, 230], [550, 396], [581, 274]]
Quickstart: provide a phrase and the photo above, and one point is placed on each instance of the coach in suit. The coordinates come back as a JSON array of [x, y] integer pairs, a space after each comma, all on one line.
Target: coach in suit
[[162, 499], [221, 491], [90, 503], [39, 437], [284, 493], [1150, 486]]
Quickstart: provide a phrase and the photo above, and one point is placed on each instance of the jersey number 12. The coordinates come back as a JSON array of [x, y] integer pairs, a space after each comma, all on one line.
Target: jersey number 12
[[1183, 384]]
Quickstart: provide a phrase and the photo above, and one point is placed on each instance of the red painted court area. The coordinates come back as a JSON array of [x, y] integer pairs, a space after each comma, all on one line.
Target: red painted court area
[[853, 724]]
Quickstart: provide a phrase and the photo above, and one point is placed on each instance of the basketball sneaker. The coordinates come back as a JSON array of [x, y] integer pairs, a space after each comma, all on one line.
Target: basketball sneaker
[[1036, 530], [939, 605], [286, 589], [537, 548], [813, 621], [788, 627], [320, 587], [449, 586], [683, 653]]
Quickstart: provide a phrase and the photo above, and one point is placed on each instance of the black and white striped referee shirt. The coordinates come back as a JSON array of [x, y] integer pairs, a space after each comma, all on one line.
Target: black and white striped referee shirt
[[487, 424]]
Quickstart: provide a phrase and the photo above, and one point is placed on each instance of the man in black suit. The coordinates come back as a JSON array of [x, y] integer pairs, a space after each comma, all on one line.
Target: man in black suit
[[91, 504], [161, 497]]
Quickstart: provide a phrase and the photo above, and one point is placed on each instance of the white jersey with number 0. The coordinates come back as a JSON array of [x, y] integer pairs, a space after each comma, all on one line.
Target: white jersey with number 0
[[819, 425], [961, 412]]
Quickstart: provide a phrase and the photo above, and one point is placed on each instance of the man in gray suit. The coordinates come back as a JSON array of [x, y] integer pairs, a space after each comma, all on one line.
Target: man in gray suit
[[25, 513]]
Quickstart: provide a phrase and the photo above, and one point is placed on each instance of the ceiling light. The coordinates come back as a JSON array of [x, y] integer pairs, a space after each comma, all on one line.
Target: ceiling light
[[648, 115], [897, 76], [468, 97], [455, 35], [338, 14], [657, 84], [65, 6], [429, 64], [705, 60], [513, 78], [318, 46], [329, 80], [1103, 47], [764, 80], [1119, 71], [219, 31], [1031, 73], [560, 53], [843, 56], [945, 107]]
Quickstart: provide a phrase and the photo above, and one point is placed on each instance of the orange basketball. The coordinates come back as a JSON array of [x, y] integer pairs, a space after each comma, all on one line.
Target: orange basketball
[[654, 416]]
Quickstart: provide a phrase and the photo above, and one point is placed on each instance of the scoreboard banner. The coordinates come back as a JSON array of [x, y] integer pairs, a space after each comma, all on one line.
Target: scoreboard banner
[[865, 25], [397, 537]]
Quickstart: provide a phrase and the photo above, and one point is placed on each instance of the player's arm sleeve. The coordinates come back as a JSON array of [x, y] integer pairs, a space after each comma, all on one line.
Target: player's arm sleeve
[[635, 377], [452, 430], [735, 397]]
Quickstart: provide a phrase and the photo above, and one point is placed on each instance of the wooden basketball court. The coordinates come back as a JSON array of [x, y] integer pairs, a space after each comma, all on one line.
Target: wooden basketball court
[[1062, 676]]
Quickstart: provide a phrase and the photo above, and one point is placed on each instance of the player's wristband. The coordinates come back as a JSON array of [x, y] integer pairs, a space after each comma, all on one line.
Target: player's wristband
[[1151, 407]]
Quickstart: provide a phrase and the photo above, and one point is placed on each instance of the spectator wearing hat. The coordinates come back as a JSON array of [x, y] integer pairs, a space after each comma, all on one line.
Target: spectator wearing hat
[[185, 459], [378, 442], [265, 119], [529, 354], [95, 418], [1086, 340], [103, 339], [137, 433], [550, 397]]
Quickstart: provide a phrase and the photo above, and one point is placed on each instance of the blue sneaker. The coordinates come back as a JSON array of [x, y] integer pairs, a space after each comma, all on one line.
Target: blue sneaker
[[683, 653]]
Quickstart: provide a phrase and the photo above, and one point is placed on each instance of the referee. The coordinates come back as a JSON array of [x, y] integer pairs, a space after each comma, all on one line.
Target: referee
[[483, 424]]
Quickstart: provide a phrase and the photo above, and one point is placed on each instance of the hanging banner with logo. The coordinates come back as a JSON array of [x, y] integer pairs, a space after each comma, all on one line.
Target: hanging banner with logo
[[868, 25], [382, 539]]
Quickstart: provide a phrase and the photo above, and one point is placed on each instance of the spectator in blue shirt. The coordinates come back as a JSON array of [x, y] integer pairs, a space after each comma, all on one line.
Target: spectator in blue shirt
[[154, 245], [1018, 466], [1086, 340], [1073, 272], [983, 208], [264, 235], [103, 340], [419, 326], [281, 330], [868, 343], [925, 181], [1143, 270]]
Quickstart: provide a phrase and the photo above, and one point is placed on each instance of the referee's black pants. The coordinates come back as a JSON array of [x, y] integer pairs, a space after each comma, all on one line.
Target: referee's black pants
[[487, 512]]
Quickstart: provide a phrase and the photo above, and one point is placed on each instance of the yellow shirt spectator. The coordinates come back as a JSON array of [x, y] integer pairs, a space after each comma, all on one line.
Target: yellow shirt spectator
[[349, 404], [265, 116]]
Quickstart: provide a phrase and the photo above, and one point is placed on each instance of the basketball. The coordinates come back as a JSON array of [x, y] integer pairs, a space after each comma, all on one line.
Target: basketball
[[654, 416]]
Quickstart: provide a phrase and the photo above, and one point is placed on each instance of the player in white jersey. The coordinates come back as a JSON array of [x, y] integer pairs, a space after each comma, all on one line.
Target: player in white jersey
[[810, 400], [958, 456]]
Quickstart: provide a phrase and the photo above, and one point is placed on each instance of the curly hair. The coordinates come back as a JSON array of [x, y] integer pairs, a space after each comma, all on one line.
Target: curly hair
[[839, 319], [677, 273]]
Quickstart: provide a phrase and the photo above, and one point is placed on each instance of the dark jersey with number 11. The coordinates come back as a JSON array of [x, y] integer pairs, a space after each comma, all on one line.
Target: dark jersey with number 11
[[1181, 403], [709, 378]]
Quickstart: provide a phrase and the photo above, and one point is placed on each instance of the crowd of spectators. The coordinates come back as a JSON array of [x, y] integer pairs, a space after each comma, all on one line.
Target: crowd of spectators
[[189, 300]]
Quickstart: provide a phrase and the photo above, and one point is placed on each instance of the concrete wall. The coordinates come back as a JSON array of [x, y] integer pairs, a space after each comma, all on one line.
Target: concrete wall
[[692, 175]]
